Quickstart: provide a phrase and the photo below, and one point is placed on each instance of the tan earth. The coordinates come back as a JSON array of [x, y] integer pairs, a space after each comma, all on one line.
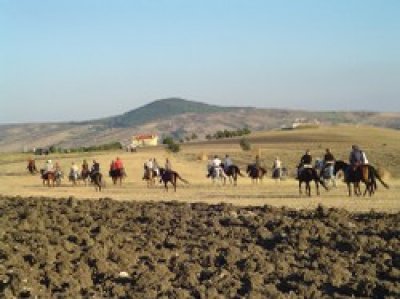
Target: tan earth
[[205, 240]]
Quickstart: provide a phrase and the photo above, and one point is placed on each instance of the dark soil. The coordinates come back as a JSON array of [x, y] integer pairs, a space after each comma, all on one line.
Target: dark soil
[[110, 249]]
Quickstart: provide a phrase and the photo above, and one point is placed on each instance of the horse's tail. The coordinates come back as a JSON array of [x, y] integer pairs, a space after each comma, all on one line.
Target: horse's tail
[[376, 174], [238, 171], [182, 179]]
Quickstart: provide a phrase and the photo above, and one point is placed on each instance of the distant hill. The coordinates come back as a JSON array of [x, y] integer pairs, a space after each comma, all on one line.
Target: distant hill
[[158, 110], [177, 117]]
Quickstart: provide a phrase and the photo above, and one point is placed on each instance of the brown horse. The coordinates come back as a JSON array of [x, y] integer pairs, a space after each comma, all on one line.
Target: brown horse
[[48, 178], [31, 167], [256, 173], [85, 175], [171, 177]]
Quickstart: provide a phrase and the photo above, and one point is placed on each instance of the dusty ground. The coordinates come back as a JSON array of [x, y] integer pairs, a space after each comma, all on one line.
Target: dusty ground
[[71, 248]]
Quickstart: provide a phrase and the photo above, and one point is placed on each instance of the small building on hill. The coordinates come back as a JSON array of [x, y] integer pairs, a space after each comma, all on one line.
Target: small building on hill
[[145, 140]]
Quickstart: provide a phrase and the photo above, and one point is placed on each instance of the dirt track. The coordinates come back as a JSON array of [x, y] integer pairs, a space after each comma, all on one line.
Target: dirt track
[[103, 248]]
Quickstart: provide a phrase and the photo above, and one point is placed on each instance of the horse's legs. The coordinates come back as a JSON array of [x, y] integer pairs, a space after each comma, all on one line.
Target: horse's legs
[[300, 192], [349, 188], [308, 189], [317, 186]]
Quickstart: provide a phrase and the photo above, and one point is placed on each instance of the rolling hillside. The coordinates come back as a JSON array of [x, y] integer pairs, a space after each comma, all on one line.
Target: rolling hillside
[[173, 116]]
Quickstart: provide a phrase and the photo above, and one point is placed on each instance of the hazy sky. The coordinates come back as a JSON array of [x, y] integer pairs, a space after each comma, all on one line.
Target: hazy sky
[[77, 60]]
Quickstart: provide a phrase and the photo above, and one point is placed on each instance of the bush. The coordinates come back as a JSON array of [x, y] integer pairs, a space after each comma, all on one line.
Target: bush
[[168, 140], [245, 144], [173, 147]]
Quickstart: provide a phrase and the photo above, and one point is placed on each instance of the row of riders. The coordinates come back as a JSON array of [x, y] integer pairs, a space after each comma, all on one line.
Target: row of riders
[[322, 172]]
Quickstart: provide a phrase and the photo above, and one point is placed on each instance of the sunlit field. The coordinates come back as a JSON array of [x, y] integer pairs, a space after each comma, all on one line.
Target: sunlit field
[[381, 146]]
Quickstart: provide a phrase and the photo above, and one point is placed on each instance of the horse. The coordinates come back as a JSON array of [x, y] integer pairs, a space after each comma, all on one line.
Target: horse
[[48, 177], [150, 176], [326, 172], [216, 174], [85, 175], [255, 173], [31, 167], [280, 173], [306, 175], [232, 172], [117, 174], [74, 177], [52, 178], [97, 180], [170, 176], [363, 173]]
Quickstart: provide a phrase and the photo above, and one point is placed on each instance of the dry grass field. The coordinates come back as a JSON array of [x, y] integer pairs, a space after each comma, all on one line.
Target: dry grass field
[[381, 145]]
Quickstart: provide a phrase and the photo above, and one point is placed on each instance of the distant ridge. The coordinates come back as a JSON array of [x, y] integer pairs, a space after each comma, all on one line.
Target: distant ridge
[[160, 109], [179, 118]]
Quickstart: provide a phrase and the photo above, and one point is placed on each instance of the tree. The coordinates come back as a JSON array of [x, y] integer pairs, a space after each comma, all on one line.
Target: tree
[[245, 144], [168, 140]]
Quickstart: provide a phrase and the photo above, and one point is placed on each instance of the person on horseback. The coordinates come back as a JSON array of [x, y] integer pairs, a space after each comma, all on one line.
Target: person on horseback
[[216, 166], [148, 169], [74, 171], [119, 166], [156, 167], [95, 168], [276, 168], [329, 162], [355, 159], [85, 166], [48, 167], [305, 162], [227, 163], [168, 165]]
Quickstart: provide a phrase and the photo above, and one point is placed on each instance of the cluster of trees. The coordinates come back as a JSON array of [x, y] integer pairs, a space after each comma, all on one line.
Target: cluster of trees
[[92, 148], [171, 145], [229, 134]]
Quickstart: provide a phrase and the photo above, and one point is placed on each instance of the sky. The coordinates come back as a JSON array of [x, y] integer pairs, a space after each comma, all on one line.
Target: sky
[[70, 60]]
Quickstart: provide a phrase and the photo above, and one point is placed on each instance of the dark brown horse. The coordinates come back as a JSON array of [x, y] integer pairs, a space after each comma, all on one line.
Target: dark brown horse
[[97, 180], [256, 173], [117, 175], [366, 174], [306, 175], [232, 172], [85, 175], [170, 176]]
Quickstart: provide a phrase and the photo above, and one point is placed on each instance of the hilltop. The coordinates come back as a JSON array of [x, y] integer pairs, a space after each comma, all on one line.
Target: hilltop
[[173, 116]]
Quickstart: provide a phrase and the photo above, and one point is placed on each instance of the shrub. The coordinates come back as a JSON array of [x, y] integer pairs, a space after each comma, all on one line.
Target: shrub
[[173, 147], [245, 144]]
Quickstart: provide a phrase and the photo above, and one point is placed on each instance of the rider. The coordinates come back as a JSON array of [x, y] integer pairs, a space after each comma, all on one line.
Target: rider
[[227, 163], [148, 167], [168, 166], [95, 168], [329, 161], [276, 168], [118, 164], [48, 167], [305, 162], [216, 166], [156, 168], [74, 171]]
